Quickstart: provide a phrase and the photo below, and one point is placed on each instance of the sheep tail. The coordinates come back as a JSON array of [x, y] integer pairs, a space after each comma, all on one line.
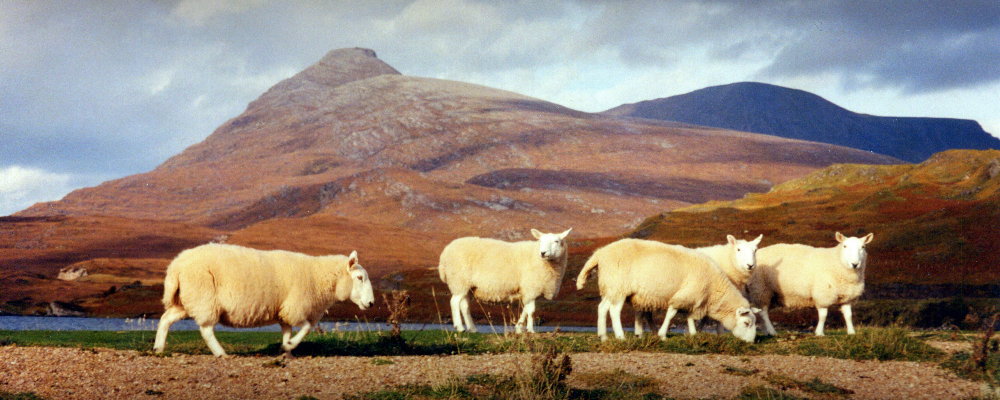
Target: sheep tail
[[171, 289], [581, 280], [441, 273]]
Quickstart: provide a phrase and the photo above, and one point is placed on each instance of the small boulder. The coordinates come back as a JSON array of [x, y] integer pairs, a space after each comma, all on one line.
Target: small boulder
[[71, 273]]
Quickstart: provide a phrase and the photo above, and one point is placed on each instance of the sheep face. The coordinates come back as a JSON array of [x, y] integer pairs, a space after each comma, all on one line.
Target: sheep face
[[361, 286], [852, 250], [745, 324], [551, 246], [744, 252]]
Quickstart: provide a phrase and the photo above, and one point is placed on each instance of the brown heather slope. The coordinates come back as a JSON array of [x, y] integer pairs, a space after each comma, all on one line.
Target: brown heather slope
[[934, 222], [350, 154]]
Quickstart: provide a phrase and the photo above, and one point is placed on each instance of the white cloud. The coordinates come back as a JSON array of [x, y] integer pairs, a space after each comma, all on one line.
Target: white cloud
[[198, 12], [20, 187]]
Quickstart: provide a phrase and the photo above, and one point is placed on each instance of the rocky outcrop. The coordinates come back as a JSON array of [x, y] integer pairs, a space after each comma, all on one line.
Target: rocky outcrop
[[71, 273], [63, 309]]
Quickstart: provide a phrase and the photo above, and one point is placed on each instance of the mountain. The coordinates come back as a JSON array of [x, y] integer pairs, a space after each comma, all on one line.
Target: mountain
[[351, 154], [791, 113], [934, 222]]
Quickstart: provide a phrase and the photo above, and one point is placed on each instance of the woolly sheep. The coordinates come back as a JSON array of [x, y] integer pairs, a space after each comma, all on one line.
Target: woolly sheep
[[797, 275], [736, 257], [242, 287], [496, 270], [655, 276]]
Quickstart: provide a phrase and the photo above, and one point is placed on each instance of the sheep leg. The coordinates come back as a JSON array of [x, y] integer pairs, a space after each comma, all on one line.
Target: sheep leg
[[519, 325], [643, 321], [171, 315], [822, 320], [616, 319], [529, 314], [691, 328], [467, 315], [286, 335], [767, 322], [602, 322], [456, 312], [208, 333], [294, 342], [846, 310], [671, 312], [638, 323]]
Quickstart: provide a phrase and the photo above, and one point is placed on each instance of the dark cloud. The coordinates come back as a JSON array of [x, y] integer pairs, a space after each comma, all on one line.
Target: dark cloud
[[918, 47]]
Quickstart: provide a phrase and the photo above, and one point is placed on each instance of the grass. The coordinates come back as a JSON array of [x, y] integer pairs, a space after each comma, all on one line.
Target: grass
[[813, 386], [761, 392], [544, 379], [19, 396], [869, 344]]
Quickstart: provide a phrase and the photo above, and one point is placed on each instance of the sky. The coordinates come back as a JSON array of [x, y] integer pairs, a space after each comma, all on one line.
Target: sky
[[96, 90]]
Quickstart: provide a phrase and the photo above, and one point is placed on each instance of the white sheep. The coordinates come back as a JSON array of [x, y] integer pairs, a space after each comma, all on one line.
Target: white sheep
[[736, 257], [495, 270], [797, 275], [242, 287], [655, 276]]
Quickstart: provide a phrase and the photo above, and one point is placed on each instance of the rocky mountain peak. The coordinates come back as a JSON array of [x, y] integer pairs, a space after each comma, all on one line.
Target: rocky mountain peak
[[336, 68], [346, 65]]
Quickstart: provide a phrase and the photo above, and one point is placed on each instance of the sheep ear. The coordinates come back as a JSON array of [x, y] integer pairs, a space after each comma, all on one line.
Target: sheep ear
[[755, 310], [869, 237], [840, 238], [758, 239], [731, 239], [564, 234], [536, 233], [352, 259]]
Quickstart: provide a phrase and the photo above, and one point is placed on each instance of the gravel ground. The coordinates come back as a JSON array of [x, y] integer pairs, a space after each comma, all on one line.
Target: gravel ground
[[70, 373]]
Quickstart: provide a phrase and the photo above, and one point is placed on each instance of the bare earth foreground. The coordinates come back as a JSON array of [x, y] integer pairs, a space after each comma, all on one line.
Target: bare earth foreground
[[71, 373]]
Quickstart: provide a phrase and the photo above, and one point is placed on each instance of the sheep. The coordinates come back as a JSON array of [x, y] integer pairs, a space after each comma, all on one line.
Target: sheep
[[797, 275], [736, 257], [496, 270], [243, 287], [656, 275]]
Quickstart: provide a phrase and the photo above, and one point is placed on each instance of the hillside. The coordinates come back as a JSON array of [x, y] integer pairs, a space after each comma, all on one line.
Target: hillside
[[351, 154], [791, 113], [934, 222]]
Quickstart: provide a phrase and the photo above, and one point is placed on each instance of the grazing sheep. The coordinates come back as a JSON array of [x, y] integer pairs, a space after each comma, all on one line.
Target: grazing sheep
[[242, 287], [737, 258], [495, 270], [796, 276], [655, 276]]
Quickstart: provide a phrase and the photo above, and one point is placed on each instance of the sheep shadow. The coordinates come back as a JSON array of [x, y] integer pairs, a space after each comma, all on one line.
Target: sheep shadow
[[368, 345]]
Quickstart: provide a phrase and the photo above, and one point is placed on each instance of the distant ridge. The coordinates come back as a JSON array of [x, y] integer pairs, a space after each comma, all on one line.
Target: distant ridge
[[791, 113]]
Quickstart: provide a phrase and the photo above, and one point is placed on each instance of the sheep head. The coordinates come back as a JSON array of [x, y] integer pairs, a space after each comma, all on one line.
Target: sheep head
[[744, 252], [852, 250], [744, 324], [551, 246], [361, 286]]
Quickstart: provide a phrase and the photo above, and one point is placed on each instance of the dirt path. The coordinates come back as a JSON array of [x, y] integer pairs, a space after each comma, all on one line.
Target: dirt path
[[69, 373]]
